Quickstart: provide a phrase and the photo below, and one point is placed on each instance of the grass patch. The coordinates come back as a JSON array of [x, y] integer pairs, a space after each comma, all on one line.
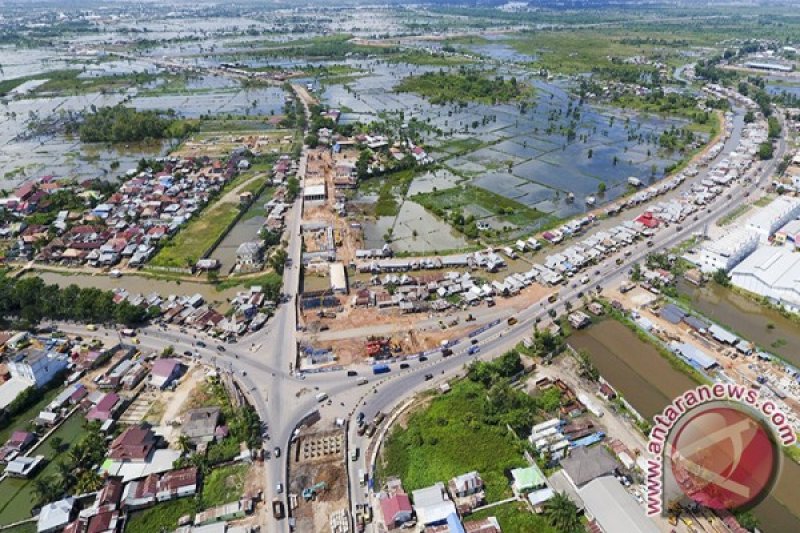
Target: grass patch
[[440, 202], [430, 59], [224, 485], [733, 215], [67, 82], [266, 280], [161, 517], [431, 448], [391, 189], [462, 86], [764, 200], [515, 517]]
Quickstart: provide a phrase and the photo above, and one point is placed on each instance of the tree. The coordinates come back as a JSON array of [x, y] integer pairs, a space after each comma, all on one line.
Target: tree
[[562, 514], [278, 260], [765, 150], [747, 520], [636, 272], [46, 489], [56, 443], [183, 444], [601, 188], [545, 343], [722, 278], [292, 188]]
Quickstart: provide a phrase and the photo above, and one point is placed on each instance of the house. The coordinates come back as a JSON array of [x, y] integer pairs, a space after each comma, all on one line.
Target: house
[[56, 515], [133, 445], [140, 493], [432, 505], [164, 372], [177, 484], [585, 464], [250, 253], [396, 510], [199, 424], [527, 479], [465, 484], [487, 525], [105, 408], [24, 466]]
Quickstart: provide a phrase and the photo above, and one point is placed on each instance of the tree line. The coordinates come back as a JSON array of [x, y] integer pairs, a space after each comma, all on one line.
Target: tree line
[[29, 301], [124, 124]]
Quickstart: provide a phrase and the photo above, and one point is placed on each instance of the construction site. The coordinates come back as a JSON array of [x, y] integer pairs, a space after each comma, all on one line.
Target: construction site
[[318, 482]]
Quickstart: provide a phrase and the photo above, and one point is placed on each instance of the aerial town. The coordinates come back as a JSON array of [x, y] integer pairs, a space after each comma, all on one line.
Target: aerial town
[[444, 268]]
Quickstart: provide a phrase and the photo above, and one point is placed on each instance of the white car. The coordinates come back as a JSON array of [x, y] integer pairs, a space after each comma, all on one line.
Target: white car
[[279, 488]]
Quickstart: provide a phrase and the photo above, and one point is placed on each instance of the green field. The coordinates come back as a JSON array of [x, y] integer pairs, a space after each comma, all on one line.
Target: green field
[[448, 200], [194, 239], [433, 60], [450, 438], [224, 485], [161, 517], [462, 86], [515, 517], [17, 496]]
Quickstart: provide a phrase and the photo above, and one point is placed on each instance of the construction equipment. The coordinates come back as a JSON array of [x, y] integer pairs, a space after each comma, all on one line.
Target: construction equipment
[[311, 492]]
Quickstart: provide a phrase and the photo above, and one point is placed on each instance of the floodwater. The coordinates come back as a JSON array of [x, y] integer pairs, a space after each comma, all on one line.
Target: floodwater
[[748, 319], [630, 365], [141, 285], [648, 382]]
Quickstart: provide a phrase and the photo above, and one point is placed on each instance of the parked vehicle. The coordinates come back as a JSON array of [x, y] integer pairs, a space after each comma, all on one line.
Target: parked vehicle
[[354, 454], [351, 373], [403, 366], [279, 488], [276, 452], [428, 377], [201, 344], [475, 349], [511, 320], [322, 396], [362, 381]]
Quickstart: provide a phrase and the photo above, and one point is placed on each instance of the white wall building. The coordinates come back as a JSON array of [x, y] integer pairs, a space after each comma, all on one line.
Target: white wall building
[[37, 366], [771, 272], [773, 216], [726, 252]]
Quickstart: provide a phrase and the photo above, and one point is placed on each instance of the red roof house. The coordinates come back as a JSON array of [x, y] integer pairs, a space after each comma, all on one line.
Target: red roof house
[[396, 510], [134, 444]]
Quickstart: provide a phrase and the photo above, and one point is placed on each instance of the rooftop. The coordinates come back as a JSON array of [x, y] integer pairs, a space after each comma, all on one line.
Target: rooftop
[[613, 508]]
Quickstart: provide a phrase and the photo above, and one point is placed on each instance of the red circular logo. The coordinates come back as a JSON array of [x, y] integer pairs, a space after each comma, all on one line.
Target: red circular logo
[[724, 458]]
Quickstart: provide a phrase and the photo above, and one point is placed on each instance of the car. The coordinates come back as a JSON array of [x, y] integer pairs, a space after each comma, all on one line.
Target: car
[[650, 244], [597, 272], [187, 353], [580, 294], [490, 302], [361, 429], [279, 488], [201, 344], [277, 451], [403, 366], [422, 359], [474, 341], [221, 348], [428, 377], [360, 418], [474, 350], [352, 373]]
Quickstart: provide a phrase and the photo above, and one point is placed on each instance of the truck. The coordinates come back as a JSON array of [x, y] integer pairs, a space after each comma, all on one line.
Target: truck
[[379, 417], [322, 396], [277, 509], [362, 381], [128, 332], [362, 477], [553, 297], [380, 369]]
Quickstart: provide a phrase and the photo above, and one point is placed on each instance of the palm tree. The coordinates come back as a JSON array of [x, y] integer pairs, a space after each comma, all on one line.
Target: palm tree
[[562, 514], [56, 443], [89, 481], [183, 444], [46, 489]]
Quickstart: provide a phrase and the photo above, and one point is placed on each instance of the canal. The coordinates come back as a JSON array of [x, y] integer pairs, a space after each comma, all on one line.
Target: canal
[[141, 285], [766, 327], [649, 382]]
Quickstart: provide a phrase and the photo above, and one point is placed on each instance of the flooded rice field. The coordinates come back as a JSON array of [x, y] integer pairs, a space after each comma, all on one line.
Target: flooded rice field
[[649, 383], [415, 230], [523, 156]]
